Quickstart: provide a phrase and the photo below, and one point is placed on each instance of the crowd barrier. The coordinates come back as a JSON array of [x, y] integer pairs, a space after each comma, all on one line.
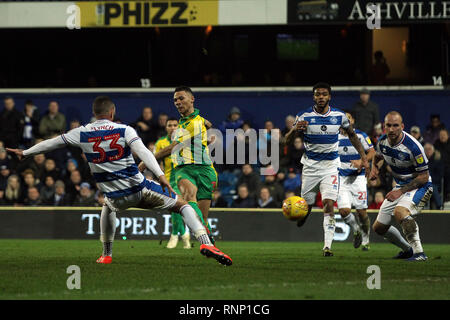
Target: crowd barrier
[[227, 225]]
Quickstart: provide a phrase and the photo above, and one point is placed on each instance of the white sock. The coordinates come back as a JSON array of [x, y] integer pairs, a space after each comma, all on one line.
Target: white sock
[[107, 229], [411, 231], [395, 237], [329, 225], [193, 222], [351, 221]]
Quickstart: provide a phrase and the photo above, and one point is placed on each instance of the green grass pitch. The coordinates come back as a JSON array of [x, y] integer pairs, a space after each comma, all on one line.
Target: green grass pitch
[[36, 269]]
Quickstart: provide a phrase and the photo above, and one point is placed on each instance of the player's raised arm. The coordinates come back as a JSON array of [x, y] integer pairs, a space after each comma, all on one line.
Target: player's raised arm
[[299, 125], [41, 147]]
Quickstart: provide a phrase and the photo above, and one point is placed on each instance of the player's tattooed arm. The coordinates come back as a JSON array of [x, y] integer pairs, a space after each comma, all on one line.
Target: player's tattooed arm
[[417, 182], [358, 146], [377, 162]]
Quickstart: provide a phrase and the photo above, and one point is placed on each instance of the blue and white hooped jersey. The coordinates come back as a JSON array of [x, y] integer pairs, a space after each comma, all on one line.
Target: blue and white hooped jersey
[[106, 146], [405, 159], [321, 139], [348, 152]]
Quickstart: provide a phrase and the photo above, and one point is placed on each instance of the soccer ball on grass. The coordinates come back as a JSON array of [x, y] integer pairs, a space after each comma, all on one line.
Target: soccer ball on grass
[[295, 208]]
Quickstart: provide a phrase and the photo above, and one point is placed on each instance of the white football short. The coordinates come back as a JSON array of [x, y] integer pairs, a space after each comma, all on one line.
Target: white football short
[[151, 196], [352, 192], [413, 200], [327, 184]]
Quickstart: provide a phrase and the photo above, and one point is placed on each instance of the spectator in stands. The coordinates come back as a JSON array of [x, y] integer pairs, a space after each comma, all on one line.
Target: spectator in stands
[[289, 194], [14, 191], [244, 199], [443, 145], [288, 122], [145, 126], [250, 178], [38, 166], [5, 159], [265, 140], [293, 181], [436, 169], [378, 200], [432, 131], [31, 124], [377, 133], [233, 121], [73, 184], [30, 180], [4, 175], [380, 69], [415, 132], [218, 201], [47, 191], [2, 196], [162, 120], [11, 124], [33, 198], [366, 113], [53, 123], [86, 197], [294, 155], [275, 188], [265, 200], [60, 197], [50, 169]]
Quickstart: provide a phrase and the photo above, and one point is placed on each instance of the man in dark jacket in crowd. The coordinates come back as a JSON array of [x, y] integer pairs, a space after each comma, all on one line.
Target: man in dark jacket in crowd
[[11, 124], [251, 179], [366, 113], [244, 200]]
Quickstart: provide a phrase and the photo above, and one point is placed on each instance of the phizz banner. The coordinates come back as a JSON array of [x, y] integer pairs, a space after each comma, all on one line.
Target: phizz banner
[[360, 11]]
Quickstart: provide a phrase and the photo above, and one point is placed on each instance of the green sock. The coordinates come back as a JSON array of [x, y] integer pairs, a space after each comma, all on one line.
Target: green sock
[[177, 224], [200, 215]]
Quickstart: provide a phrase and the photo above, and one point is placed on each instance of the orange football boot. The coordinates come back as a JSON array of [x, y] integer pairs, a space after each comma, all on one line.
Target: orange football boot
[[105, 260], [213, 252]]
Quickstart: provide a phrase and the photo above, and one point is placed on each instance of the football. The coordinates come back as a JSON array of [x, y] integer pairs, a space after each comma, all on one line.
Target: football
[[294, 208]]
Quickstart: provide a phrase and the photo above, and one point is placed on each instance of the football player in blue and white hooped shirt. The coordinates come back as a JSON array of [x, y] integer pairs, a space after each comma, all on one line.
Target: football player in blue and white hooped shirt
[[321, 124], [108, 148], [353, 185], [409, 164]]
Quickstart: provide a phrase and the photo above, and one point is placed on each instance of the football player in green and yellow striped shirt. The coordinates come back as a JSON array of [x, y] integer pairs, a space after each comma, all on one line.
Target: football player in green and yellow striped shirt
[[193, 171]]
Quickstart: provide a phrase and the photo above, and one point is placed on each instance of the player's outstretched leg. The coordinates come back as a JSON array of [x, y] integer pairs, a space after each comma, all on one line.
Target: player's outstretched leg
[[364, 221], [193, 222], [107, 232], [349, 219], [391, 234]]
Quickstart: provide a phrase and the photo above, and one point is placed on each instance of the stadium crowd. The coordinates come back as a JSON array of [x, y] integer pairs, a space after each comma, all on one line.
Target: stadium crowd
[[62, 177]]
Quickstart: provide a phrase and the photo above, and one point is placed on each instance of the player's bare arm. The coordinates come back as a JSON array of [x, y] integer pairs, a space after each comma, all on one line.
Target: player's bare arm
[[377, 162], [358, 146], [17, 152], [208, 124], [420, 180], [357, 163], [294, 132], [164, 152]]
